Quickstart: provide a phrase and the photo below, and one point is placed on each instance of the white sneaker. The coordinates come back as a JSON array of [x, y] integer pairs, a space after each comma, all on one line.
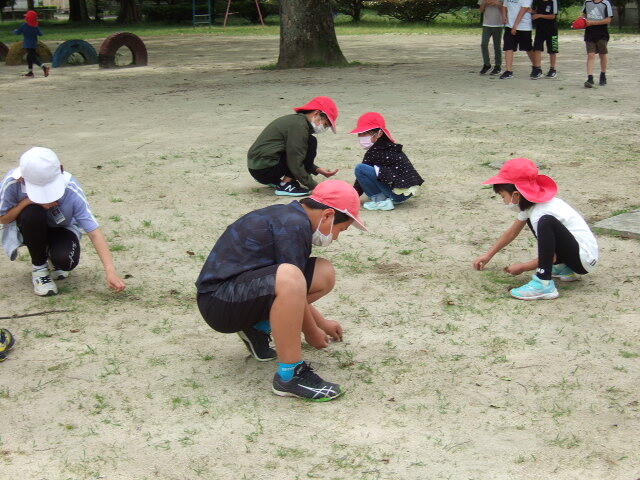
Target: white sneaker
[[43, 285], [386, 204], [59, 274]]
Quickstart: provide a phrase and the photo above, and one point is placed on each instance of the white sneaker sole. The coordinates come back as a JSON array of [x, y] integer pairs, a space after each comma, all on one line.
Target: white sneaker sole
[[568, 278], [543, 296], [321, 399]]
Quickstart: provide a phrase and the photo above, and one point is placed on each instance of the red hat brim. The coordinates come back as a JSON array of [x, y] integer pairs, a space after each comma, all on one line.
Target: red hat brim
[[540, 190]]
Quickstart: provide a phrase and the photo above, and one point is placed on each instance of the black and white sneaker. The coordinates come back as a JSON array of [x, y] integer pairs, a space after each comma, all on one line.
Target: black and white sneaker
[[506, 74], [496, 70], [306, 384], [551, 73], [257, 343], [485, 69], [603, 79], [589, 83], [292, 189], [536, 73]]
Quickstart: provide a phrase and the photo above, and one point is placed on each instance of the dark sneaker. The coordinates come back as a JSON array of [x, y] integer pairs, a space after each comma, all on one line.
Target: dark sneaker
[[306, 384], [506, 74], [536, 73], [551, 73], [292, 189], [485, 69], [603, 79], [257, 343], [6, 343], [29, 75], [46, 69], [589, 83], [496, 70]]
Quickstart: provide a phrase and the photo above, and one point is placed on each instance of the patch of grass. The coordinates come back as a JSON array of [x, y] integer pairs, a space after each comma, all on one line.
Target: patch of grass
[[115, 218], [626, 354], [117, 247]]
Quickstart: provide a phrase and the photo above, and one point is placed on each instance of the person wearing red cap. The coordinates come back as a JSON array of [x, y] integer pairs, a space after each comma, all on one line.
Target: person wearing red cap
[[260, 279], [386, 175], [283, 154], [566, 246], [30, 32]]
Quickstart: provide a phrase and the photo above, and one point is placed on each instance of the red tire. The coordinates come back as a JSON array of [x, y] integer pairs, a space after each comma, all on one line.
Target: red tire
[[3, 51], [108, 49]]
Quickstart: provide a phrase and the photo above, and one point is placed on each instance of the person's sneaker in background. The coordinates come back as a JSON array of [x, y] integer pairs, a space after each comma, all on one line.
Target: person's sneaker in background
[[257, 343], [603, 79], [485, 69], [43, 285], [306, 384], [291, 189], [552, 73], [589, 83], [506, 75], [536, 289], [536, 73], [59, 274], [386, 204], [564, 273], [496, 70]]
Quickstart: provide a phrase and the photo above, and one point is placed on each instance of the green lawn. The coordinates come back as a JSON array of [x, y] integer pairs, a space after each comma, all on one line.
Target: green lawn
[[465, 22]]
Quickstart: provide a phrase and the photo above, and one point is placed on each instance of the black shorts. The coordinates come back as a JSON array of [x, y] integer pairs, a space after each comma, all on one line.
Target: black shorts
[[550, 37], [520, 41], [244, 300]]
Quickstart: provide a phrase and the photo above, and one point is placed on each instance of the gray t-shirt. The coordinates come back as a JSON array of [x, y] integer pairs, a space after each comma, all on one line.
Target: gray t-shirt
[[492, 16]]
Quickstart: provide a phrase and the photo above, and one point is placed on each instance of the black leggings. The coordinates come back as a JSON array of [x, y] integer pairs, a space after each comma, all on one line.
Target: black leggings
[[57, 244], [272, 175], [32, 57], [554, 240]]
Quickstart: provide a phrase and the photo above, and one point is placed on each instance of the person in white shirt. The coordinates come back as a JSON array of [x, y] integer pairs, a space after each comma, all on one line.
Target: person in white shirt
[[516, 15], [566, 246]]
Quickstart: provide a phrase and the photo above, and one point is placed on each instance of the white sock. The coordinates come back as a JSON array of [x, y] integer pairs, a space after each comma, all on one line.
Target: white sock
[[40, 267]]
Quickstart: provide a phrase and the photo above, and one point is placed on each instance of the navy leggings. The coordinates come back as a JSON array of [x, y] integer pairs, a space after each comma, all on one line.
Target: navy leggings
[[32, 57], [555, 240], [57, 244]]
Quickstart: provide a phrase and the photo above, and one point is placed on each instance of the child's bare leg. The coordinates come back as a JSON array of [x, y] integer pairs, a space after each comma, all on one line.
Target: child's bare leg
[[530, 54], [553, 58], [287, 312], [537, 58], [324, 279], [591, 59], [603, 62], [508, 58]]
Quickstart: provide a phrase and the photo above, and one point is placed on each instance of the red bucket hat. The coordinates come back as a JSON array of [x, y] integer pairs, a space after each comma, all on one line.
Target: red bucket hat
[[31, 17], [326, 105], [371, 121], [523, 173], [579, 23], [341, 196]]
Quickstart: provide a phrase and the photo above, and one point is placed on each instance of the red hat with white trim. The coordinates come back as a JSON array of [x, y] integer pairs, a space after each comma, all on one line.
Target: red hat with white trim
[[326, 105], [371, 121], [523, 173], [342, 197]]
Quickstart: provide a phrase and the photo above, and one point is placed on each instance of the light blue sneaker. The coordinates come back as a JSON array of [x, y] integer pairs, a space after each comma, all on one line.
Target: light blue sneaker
[[536, 289], [386, 204], [564, 273]]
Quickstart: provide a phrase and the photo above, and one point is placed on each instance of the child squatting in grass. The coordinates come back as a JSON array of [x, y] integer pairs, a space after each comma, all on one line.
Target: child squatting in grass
[[44, 208], [386, 175], [259, 278], [566, 246], [283, 154]]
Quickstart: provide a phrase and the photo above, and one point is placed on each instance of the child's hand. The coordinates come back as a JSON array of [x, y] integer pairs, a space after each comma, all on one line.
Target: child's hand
[[514, 31], [325, 172], [480, 262], [515, 269], [317, 338], [333, 329]]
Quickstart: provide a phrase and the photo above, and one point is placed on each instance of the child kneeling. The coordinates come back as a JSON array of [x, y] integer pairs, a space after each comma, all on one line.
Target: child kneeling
[[566, 246], [386, 175]]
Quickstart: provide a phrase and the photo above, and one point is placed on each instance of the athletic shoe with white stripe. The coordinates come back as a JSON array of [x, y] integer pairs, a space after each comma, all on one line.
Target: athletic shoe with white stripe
[[257, 343], [43, 285], [306, 384], [59, 274], [564, 273], [536, 289]]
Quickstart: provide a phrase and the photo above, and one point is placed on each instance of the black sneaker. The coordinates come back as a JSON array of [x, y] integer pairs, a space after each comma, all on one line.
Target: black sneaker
[[292, 189], [551, 73], [589, 83], [28, 75], [485, 69], [536, 73], [506, 74], [6, 343], [496, 70], [257, 343], [603, 79], [306, 384]]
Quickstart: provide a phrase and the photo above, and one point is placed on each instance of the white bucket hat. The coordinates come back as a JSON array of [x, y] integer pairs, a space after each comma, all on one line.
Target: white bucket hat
[[43, 178]]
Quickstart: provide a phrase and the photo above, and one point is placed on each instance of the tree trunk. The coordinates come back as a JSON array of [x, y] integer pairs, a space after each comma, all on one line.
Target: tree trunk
[[31, 4], [356, 11], [78, 11], [129, 12], [307, 35]]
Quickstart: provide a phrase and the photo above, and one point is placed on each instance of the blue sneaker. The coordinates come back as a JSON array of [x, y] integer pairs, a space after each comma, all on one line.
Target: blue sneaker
[[564, 273], [386, 204], [536, 289]]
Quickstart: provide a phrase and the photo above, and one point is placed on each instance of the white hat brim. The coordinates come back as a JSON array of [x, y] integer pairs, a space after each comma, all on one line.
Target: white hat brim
[[46, 193]]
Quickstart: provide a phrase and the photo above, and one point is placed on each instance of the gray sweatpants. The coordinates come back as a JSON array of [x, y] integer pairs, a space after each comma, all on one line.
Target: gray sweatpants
[[496, 33]]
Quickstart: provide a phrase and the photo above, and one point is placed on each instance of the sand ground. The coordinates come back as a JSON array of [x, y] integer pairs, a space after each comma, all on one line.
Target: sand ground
[[447, 377]]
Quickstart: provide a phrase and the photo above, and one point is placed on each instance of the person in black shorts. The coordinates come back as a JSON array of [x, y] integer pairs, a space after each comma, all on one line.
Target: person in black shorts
[[259, 279], [516, 15], [596, 37], [545, 21]]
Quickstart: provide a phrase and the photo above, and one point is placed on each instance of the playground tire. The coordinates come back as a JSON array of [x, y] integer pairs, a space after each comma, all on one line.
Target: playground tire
[[68, 48], [16, 54], [108, 49]]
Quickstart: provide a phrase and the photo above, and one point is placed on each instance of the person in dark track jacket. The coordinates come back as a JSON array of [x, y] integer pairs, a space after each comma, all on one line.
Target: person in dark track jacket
[[386, 175]]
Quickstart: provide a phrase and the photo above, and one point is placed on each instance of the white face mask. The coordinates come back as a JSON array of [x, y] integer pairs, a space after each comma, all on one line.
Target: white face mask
[[513, 206], [319, 127], [366, 142], [319, 239]]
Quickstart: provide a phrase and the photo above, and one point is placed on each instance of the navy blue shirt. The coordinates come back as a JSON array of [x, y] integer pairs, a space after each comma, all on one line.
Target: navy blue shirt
[[29, 35], [268, 236]]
